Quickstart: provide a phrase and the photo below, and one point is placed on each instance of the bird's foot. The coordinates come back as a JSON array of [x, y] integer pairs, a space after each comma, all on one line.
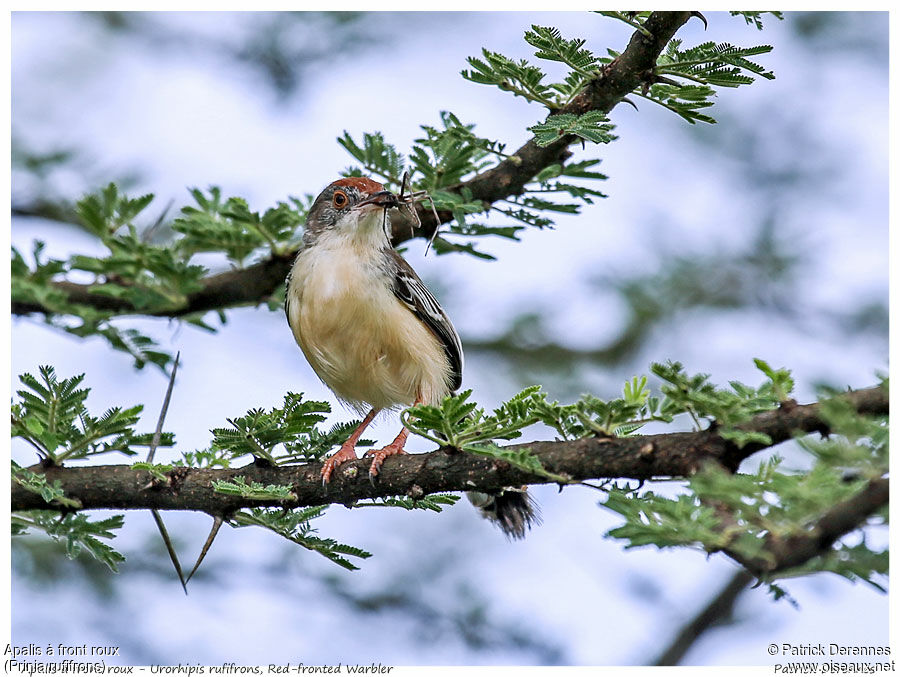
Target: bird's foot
[[347, 452], [395, 447]]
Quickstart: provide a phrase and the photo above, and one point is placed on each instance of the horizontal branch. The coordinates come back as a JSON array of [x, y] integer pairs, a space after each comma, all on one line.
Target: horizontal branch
[[668, 455], [256, 283]]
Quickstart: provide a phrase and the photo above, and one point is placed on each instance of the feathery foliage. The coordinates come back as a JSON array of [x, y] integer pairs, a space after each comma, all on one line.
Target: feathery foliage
[[743, 513], [434, 502], [145, 276], [51, 416], [294, 525], [150, 267], [77, 532], [287, 434], [254, 490]]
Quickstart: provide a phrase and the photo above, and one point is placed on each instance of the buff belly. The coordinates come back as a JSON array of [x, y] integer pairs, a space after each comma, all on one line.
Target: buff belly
[[359, 338]]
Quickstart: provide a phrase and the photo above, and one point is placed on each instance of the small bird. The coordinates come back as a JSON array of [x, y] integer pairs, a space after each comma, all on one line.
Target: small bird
[[371, 330]]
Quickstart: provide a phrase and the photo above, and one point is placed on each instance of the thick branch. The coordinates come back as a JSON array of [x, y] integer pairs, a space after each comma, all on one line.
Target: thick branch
[[786, 553], [638, 457], [254, 284]]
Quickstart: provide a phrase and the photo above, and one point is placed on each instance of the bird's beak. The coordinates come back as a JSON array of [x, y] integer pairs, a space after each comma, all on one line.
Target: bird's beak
[[383, 198]]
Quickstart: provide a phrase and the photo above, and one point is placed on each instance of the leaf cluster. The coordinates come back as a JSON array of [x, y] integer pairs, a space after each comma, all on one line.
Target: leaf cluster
[[703, 67], [461, 424], [76, 532], [150, 265], [37, 483], [52, 417], [286, 434], [254, 490], [434, 502], [229, 226], [695, 395], [149, 276], [294, 525], [746, 513]]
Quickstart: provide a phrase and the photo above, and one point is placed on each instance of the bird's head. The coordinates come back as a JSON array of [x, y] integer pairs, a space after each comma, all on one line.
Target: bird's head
[[354, 206]]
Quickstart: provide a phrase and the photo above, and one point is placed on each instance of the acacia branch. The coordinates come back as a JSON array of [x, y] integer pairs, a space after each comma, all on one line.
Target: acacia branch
[[781, 554], [256, 283], [719, 611], [643, 457]]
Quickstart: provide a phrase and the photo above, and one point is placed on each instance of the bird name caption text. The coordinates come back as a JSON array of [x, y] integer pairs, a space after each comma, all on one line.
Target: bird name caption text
[[61, 659], [337, 669]]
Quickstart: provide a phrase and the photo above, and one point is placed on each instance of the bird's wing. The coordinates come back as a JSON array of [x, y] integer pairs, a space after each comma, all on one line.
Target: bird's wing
[[415, 295]]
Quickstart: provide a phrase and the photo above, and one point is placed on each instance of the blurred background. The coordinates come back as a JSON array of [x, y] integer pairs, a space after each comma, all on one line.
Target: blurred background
[[762, 236]]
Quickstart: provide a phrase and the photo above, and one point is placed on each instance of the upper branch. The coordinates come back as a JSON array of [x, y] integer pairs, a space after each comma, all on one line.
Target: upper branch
[[254, 284], [639, 457]]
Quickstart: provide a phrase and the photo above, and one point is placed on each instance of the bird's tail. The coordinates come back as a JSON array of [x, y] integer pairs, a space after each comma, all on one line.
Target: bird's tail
[[513, 510]]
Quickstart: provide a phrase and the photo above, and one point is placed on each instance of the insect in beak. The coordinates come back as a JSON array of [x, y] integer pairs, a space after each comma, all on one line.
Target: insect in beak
[[409, 200], [383, 198]]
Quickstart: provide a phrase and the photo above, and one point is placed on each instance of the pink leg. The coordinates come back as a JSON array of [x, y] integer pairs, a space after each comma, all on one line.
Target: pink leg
[[347, 452], [395, 447]]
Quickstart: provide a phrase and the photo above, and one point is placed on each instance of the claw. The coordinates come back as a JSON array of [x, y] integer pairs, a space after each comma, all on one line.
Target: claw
[[347, 452], [394, 448]]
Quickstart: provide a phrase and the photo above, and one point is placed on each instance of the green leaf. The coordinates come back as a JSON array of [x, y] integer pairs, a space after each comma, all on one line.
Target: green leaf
[[51, 415], [37, 483], [592, 126], [518, 77], [552, 46], [292, 427], [106, 212], [77, 532], [755, 18], [377, 156], [157, 470], [434, 502], [254, 490], [295, 526]]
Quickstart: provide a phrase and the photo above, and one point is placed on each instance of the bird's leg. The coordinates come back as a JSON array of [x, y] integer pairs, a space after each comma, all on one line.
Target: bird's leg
[[347, 452], [395, 447]]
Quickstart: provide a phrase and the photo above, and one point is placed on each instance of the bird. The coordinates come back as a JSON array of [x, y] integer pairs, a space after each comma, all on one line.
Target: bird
[[372, 331]]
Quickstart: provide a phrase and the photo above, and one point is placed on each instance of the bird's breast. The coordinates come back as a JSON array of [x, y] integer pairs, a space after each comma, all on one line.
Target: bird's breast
[[358, 337]]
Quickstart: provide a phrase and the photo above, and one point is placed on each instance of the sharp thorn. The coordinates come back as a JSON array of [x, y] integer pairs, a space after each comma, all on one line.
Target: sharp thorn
[[160, 525], [702, 18], [217, 522], [631, 103]]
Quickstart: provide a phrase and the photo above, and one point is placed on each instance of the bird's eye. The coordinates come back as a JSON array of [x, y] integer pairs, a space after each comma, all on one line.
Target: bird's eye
[[340, 199]]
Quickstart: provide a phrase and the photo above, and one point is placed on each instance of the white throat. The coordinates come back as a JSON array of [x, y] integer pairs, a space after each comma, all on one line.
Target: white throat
[[365, 228]]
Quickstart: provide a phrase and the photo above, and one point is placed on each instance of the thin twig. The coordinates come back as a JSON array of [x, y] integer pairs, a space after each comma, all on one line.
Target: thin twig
[[162, 414], [157, 517], [717, 612]]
